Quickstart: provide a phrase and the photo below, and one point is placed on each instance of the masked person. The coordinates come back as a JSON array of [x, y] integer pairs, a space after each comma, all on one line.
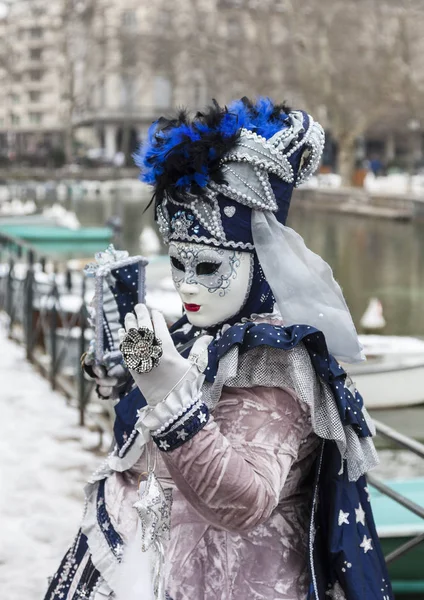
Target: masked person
[[250, 441]]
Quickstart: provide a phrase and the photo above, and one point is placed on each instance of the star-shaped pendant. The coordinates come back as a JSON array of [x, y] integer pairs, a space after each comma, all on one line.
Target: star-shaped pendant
[[153, 508]]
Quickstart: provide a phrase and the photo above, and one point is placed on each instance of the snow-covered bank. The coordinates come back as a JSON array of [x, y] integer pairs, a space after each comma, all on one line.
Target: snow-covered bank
[[44, 463]]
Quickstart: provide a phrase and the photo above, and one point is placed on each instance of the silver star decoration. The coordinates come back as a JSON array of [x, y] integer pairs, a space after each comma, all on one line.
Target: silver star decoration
[[105, 526], [164, 445], [366, 544], [83, 592], [153, 508], [202, 417], [360, 515], [343, 518], [182, 434]]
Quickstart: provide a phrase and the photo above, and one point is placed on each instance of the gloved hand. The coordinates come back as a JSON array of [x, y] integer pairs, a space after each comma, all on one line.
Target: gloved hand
[[110, 381], [172, 369]]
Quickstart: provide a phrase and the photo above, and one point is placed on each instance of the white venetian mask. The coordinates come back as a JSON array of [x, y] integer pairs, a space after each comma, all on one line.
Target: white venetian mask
[[213, 283]]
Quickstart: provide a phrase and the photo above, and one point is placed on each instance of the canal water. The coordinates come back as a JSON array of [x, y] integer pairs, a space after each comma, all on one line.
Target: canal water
[[370, 257]]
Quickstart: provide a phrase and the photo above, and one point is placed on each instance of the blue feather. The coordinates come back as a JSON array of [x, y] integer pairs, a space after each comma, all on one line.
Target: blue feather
[[176, 140]]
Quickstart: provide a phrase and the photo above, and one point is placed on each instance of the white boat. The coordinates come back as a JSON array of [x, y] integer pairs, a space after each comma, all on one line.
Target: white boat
[[393, 374]]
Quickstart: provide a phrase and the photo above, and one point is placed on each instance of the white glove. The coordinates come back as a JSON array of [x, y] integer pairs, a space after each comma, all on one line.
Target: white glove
[[172, 369]]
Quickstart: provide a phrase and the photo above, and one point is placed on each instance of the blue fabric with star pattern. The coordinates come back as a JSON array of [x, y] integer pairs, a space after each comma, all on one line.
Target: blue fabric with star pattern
[[61, 583], [112, 537], [125, 288], [344, 549], [190, 423]]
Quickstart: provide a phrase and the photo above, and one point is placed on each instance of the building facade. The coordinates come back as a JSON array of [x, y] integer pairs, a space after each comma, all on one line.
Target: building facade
[[91, 75], [31, 70]]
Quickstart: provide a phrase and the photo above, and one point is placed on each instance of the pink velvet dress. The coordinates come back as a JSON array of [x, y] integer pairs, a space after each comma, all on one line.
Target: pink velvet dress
[[242, 491]]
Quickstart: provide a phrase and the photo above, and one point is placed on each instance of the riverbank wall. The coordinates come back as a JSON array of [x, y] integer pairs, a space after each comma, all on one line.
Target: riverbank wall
[[357, 201], [95, 182], [72, 172]]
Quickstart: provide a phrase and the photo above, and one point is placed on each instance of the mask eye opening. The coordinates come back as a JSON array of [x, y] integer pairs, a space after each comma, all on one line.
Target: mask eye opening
[[207, 268], [177, 264]]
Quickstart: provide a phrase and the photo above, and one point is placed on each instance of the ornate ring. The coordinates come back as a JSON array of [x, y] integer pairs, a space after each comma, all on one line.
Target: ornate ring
[[141, 350]]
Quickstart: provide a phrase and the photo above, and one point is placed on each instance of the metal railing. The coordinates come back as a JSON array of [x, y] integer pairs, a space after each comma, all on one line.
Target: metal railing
[[418, 449], [54, 336]]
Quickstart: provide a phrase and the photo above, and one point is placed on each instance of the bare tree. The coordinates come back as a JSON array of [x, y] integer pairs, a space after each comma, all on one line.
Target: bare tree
[[349, 63]]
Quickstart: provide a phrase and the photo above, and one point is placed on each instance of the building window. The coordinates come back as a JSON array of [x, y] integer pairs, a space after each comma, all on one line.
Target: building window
[[35, 118], [36, 33], [36, 75], [35, 53], [129, 19], [127, 91], [162, 92], [34, 96], [14, 98], [15, 119]]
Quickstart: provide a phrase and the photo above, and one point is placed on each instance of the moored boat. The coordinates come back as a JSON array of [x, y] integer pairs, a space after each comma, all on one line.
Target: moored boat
[[59, 240], [393, 375], [395, 526]]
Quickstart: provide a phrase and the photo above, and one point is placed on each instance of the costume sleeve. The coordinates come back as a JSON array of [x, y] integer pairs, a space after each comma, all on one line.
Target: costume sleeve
[[232, 466]]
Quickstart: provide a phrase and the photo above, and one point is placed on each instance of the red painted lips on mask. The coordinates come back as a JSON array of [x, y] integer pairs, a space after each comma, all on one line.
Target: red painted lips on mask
[[191, 307]]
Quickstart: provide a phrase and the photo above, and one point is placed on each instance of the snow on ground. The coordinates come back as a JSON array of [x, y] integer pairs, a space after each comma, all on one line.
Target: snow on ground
[[44, 463]]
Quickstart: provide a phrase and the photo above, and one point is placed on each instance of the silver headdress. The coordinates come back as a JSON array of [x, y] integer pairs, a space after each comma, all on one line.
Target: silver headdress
[[225, 178], [246, 170]]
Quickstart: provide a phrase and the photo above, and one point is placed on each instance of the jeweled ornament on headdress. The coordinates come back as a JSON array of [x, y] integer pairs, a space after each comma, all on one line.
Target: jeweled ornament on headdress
[[226, 162]]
